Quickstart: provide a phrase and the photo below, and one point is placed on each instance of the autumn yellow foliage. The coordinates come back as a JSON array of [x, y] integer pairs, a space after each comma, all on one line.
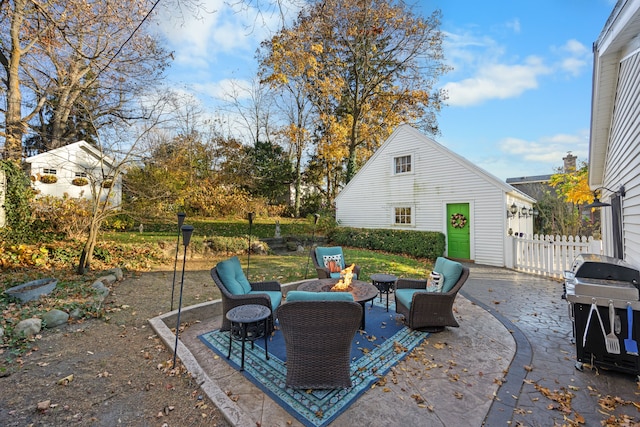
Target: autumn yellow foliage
[[574, 186]]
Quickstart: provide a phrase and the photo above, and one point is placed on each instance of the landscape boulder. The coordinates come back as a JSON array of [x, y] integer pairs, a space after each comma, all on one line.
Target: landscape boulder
[[55, 318], [116, 272], [102, 290], [28, 327]]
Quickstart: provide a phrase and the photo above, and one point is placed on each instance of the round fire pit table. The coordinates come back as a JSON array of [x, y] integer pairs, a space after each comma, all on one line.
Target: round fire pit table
[[248, 323], [362, 291], [384, 283]]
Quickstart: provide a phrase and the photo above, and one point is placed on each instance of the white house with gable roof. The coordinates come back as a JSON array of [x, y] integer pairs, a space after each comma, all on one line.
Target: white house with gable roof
[[414, 183], [72, 170]]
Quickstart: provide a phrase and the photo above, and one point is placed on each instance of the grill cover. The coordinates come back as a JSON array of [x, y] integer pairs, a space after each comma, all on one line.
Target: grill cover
[[594, 266], [600, 279]]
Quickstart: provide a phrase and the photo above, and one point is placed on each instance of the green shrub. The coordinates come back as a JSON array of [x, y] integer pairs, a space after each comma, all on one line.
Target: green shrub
[[18, 227], [231, 245], [102, 254], [120, 222], [421, 244], [65, 217]]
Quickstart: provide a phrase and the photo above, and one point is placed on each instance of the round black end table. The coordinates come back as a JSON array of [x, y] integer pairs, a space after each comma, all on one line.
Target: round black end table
[[248, 323], [384, 283]]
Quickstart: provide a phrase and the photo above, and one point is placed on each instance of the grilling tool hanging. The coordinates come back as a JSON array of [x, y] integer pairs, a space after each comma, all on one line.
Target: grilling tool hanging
[[630, 345], [593, 308], [611, 339]]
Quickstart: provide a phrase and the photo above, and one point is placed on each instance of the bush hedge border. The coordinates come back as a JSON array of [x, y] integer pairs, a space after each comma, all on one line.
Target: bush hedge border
[[420, 244]]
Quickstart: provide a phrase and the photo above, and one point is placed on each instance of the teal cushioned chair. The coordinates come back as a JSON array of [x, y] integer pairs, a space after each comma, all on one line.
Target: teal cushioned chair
[[431, 311], [318, 261], [236, 290], [318, 296]]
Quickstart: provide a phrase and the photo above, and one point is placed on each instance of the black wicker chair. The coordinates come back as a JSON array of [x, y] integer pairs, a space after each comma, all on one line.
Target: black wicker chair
[[230, 300], [318, 337], [429, 311]]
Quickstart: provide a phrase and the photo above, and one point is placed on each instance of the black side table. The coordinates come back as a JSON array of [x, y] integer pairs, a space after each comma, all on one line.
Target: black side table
[[248, 323], [384, 283]]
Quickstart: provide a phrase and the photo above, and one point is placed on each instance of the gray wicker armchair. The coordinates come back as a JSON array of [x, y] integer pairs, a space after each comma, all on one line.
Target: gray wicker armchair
[[262, 293], [429, 311], [318, 337]]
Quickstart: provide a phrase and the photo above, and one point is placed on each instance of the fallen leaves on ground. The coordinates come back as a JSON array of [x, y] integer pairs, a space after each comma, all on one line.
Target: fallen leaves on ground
[[621, 421], [43, 406], [66, 380], [419, 400], [563, 398], [399, 348]]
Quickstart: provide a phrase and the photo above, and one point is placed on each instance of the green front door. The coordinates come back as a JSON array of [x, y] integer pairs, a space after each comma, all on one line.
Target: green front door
[[458, 225]]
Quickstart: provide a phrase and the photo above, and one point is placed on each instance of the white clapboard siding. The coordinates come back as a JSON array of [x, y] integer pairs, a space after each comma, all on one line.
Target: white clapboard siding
[[622, 166], [439, 177], [614, 146]]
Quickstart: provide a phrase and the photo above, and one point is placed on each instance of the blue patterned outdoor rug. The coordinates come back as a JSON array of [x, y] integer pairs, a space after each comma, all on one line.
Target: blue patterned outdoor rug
[[385, 343]]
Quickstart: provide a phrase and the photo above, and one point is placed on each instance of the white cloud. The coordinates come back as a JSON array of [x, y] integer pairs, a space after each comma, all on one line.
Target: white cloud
[[516, 157], [464, 50], [496, 80], [485, 70], [225, 89], [514, 25], [548, 149], [198, 40], [575, 57]]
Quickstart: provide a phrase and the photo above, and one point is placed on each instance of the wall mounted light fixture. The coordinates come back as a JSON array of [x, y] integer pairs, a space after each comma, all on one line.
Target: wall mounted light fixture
[[524, 211], [596, 200], [512, 211]]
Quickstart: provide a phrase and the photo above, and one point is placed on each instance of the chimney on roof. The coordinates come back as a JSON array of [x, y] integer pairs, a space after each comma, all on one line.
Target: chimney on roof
[[569, 163]]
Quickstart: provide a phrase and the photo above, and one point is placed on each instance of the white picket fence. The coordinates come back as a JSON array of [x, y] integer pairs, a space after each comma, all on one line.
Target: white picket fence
[[548, 255]]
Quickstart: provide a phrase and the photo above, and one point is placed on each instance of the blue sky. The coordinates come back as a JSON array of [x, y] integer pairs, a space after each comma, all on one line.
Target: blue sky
[[520, 88]]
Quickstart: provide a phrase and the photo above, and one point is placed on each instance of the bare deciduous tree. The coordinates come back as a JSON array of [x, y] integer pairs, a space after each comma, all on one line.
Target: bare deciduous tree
[[61, 52], [119, 150]]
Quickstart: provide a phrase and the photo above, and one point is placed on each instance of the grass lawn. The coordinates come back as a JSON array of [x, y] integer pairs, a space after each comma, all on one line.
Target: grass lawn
[[293, 267], [285, 268]]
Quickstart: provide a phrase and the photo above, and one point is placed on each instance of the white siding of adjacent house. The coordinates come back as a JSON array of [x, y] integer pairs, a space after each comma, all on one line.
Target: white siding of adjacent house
[[67, 161], [439, 177], [622, 165]]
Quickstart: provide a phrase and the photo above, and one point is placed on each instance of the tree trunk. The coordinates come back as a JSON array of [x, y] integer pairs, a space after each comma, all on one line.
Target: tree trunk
[[13, 116], [299, 150], [353, 142], [87, 251]]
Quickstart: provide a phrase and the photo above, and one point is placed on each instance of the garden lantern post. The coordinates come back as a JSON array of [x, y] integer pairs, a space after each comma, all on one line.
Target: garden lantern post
[[187, 230], [181, 217], [250, 216]]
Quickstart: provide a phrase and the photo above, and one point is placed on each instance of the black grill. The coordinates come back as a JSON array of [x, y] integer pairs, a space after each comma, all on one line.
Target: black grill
[[599, 281]]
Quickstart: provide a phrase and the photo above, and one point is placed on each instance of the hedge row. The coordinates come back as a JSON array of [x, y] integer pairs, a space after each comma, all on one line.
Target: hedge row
[[420, 244]]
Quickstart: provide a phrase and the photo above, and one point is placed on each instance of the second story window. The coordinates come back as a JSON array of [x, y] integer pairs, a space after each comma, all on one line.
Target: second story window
[[402, 164]]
